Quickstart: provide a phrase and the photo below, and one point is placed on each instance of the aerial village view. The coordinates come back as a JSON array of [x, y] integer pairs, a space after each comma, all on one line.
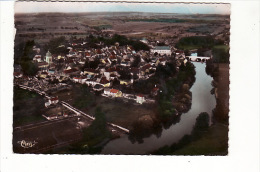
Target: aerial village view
[[99, 78]]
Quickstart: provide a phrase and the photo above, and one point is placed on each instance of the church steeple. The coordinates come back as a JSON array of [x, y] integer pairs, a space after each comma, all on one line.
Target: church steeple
[[48, 57]]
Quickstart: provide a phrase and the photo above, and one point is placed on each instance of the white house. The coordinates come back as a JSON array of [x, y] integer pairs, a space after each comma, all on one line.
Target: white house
[[162, 50], [52, 101], [140, 98], [107, 91], [37, 58]]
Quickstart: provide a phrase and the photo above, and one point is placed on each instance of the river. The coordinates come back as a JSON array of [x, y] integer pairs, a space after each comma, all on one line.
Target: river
[[202, 101]]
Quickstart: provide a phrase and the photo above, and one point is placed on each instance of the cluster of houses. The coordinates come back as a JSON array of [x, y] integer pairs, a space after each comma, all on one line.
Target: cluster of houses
[[111, 61]]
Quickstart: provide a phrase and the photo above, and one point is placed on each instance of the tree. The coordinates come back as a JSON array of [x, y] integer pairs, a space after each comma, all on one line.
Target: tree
[[124, 74], [187, 52], [83, 97], [202, 122], [98, 130], [28, 67], [54, 46]]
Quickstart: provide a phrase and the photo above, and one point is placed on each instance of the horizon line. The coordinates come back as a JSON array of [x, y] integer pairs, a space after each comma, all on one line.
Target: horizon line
[[121, 12]]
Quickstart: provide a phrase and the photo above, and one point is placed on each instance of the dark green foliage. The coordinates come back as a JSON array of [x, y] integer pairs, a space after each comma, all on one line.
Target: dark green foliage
[[166, 71], [201, 125], [202, 122], [98, 129], [124, 74], [122, 40], [211, 69], [91, 64], [29, 101], [137, 45], [93, 137], [165, 106], [145, 86], [18, 52], [167, 150], [136, 62], [28, 50], [166, 109], [84, 98], [28, 67], [200, 41], [20, 94], [55, 46], [187, 52], [220, 55]]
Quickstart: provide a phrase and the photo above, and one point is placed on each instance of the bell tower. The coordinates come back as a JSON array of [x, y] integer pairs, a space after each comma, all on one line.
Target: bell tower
[[48, 57]]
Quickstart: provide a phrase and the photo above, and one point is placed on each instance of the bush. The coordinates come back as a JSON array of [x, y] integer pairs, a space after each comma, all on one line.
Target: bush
[[98, 130], [220, 55], [202, 122], [195, 41]]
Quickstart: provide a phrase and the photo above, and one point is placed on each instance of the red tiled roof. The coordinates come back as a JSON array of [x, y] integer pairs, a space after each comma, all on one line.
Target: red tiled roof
[[76, 77], [140, 95], [98, 51], [87, 54], [42, 63], [104, 80], [54, 98], [112, 57], [114, 91]]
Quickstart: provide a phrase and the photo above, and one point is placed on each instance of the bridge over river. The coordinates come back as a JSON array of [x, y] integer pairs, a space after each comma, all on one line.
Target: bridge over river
[[198, 58]]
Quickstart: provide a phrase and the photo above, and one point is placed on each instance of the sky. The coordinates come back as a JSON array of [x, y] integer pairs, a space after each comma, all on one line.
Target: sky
[[34, 7]]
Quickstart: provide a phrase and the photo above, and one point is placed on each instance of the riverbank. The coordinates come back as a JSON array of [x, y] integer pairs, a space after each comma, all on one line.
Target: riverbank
[[215, 140], [173, 99], [171, 132], [221, 83], [212, 142]]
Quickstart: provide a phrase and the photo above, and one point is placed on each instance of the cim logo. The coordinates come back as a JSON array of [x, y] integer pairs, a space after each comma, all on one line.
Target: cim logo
[[27, 144]]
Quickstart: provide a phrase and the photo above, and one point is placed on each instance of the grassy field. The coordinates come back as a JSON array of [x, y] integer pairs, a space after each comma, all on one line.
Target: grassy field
[[28, 107], [213, 142], [116, 110], [120, 112]]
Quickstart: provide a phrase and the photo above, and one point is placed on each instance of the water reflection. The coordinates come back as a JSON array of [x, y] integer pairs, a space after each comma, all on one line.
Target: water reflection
[[202, 101]]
